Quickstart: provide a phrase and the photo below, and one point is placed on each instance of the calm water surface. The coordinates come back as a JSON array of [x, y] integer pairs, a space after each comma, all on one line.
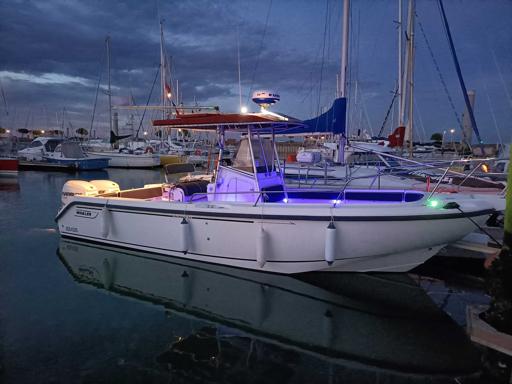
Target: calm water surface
[[81, 313]]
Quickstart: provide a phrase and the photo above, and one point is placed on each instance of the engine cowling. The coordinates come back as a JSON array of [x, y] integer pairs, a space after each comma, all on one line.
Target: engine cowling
[[105, 186], [74, 188]]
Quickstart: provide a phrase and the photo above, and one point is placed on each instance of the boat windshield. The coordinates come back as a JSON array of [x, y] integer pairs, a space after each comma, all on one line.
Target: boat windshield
[[35, 144], [51, 144], [368, 159], [262, 151]]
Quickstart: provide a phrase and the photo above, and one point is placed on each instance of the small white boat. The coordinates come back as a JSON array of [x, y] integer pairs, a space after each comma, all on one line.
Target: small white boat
[[55, 153], [245, 217], [39, 148], [129, 160]]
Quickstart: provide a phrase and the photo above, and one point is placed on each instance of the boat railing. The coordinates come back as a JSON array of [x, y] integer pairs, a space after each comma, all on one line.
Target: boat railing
[[341, 197], [201, 195], [438, 165]]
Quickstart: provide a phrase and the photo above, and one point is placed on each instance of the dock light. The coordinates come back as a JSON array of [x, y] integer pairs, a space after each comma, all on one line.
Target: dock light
[[452, 131], [42, 131], [433, 203], [243, 109], [8, 131], [485, 168], [285, 200], [145, 133], [336, 202], [169, 94]]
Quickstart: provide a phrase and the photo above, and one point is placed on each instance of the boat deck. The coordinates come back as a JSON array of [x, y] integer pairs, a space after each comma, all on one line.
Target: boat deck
[[309, 197]]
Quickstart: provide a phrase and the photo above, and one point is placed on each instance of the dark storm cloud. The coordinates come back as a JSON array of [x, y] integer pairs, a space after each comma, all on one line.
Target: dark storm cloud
[[53, 51], [66, 38]]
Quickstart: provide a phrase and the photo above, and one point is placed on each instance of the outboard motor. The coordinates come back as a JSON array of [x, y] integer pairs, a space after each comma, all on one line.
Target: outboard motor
[[77, 188], [105, 186]]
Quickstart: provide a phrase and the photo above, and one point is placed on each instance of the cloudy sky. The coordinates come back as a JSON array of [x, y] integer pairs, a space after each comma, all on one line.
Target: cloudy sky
[[53, 52]]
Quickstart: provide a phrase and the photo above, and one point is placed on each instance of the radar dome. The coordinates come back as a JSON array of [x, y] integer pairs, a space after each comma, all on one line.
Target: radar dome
[[265, 98]]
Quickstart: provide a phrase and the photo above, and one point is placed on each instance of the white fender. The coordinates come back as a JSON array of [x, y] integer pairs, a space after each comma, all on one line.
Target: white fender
[[105, 221], [330, 243], [261, 248], [184, 235]]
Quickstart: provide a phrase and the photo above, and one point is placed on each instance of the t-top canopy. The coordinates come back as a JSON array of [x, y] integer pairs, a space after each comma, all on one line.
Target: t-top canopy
[[231, 121], [331, 121]]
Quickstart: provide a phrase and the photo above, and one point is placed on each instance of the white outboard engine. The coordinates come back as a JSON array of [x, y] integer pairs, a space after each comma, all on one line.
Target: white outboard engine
[[105, 186], [77, 188]]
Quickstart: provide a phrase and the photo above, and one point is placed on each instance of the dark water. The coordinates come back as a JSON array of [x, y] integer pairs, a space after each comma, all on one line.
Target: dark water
[[78, 313]]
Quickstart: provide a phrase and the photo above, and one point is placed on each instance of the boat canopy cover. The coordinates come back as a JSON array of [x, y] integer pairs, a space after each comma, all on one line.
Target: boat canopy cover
[[72, 150], [330, 122], [231, 121]]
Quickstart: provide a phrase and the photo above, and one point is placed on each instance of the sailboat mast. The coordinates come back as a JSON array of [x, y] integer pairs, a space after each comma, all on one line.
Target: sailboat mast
[[177, 92], [109, 84], [344, 49], [162, 68], [399, 89], [239, 74], [412, 12], [343, 76]]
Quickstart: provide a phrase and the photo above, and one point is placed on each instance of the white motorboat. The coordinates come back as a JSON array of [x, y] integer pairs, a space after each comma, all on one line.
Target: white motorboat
[[50, 153], [245, 217], [39, 148]]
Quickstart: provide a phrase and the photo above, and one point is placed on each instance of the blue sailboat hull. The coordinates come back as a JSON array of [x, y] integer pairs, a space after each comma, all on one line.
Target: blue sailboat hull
[[81, 164]]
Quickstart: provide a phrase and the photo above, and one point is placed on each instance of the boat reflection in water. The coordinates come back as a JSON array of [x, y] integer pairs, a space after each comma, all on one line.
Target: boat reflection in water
[[9, 184], [274, 328]]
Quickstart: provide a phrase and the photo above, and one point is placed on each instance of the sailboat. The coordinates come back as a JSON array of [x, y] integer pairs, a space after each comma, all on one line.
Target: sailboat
[[119, 158]]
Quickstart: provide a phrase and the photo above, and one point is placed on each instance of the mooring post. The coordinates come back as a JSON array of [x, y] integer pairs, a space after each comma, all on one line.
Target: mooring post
[[507, 239], [499, 282]]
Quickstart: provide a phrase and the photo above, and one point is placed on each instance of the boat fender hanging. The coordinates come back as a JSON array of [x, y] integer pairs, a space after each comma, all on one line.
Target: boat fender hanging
[[261, 248], [330, 243], [184, 235], [105, 221], [149, 150]]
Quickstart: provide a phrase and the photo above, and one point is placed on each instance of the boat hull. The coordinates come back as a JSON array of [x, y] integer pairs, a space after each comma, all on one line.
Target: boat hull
[[123, 160], [8, 167], [273, 238], [80, 164], [169, 159]]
